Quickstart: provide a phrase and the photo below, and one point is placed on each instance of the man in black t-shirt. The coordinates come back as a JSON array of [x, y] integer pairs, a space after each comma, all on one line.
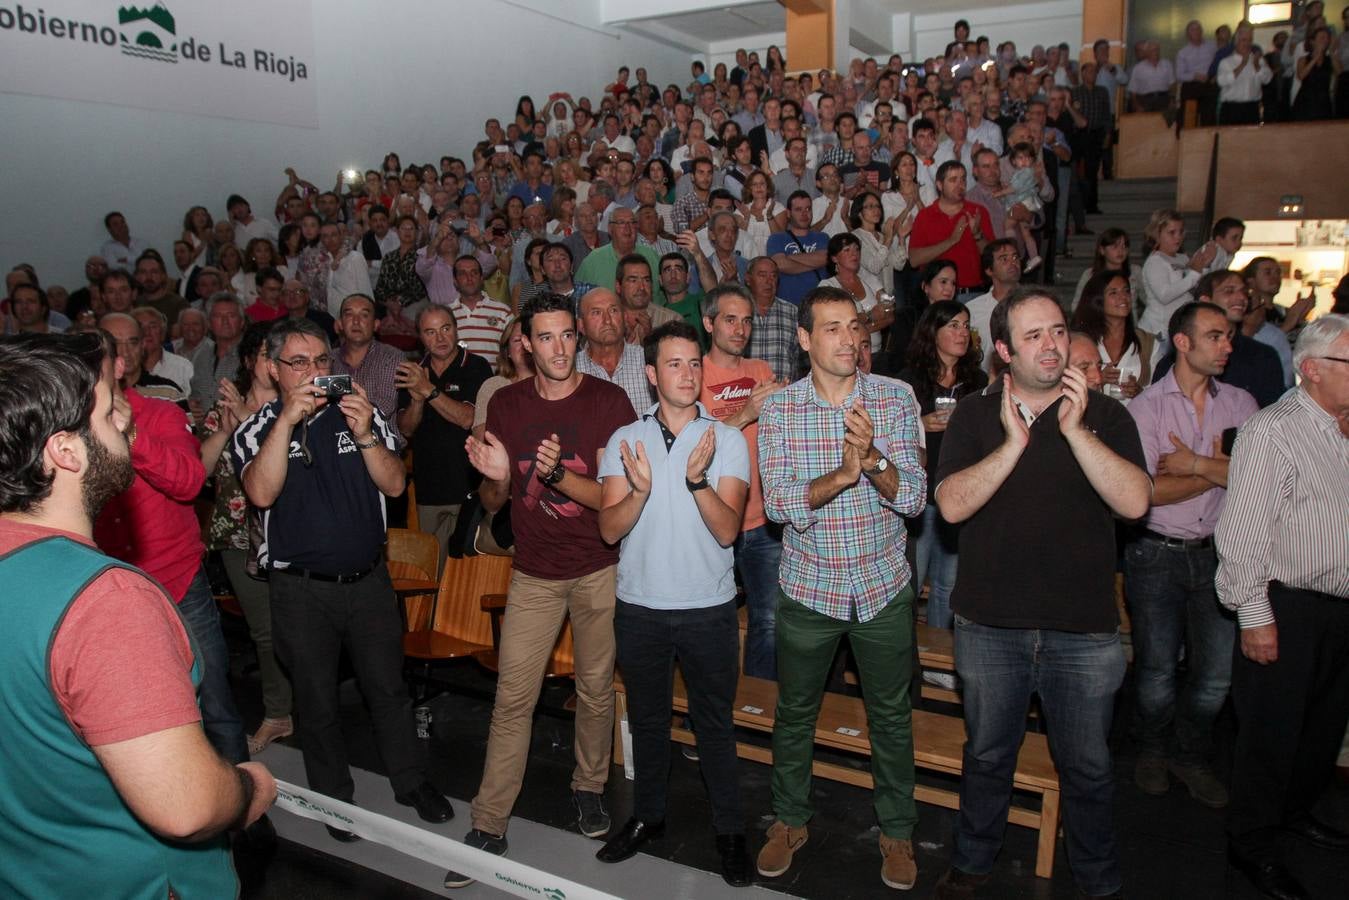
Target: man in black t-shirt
[[1037, 472], [320, 467], [435, 413]]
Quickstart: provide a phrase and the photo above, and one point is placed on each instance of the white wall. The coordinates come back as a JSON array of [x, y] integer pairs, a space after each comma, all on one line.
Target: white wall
[[414, 76], [1026, 24]]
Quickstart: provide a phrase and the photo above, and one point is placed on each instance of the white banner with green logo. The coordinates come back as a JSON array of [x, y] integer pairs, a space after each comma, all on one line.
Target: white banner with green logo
[[498, 871], [245, 59]]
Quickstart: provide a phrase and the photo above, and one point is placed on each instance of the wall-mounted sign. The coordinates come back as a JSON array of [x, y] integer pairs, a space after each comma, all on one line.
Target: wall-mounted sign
[[246, 59]]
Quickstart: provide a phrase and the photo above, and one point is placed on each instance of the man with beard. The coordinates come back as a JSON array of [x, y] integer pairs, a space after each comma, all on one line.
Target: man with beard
[[1022, 626], [108, 753]]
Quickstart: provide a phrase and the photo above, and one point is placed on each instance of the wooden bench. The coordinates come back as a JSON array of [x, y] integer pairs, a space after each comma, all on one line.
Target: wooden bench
[[938, 742]]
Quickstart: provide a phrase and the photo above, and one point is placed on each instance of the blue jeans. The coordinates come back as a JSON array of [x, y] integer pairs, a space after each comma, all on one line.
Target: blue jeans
[[758, 553], [934, 545], [1173, 601], [219, 717], [1076, 676]]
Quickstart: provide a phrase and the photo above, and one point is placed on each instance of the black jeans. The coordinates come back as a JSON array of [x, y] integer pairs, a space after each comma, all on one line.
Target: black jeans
[[311, 622], [1092, 149], [707, 643], [1291, 716]]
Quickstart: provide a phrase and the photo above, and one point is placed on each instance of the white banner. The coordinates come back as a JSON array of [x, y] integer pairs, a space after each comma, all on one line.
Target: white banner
[[498, 871], [244, 59]]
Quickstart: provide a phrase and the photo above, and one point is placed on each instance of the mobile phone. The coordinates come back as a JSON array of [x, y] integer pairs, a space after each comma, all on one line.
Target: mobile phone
[[502, 148], [1229, 438], [334, 386]]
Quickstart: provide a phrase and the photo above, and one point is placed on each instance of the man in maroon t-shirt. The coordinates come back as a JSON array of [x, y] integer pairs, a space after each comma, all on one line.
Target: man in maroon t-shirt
[[541, 451], [954, 229]]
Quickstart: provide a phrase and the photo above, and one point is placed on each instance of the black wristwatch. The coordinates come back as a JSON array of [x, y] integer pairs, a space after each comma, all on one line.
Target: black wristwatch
[[435, 392], [699, 485], [553, 477]]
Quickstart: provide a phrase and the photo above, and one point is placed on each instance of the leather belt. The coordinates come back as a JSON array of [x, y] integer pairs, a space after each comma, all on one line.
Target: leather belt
[[349, 578], [1202, 543]]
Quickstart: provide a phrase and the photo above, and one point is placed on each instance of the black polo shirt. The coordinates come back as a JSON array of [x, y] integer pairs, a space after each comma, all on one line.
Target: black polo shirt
[[1041, 551], [440, 465], [329, 517]]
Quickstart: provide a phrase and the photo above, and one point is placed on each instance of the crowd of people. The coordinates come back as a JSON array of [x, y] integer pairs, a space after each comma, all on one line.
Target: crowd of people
[[554, 331]]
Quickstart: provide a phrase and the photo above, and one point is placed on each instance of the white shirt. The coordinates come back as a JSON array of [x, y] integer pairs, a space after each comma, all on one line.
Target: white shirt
[[350, 277], [175, 368], [778, 158], [1130, 365], [621, 144], [1167, 281], [838, 223], [1245, 87], [123, 256], [1149, 79], [387, 244], [258, 228], [864, 304], [981, 313], [927, 174], [987, 134]]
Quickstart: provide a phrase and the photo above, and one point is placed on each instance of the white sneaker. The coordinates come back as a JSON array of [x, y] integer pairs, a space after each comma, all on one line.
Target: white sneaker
[[1033, 263], [940, 679]]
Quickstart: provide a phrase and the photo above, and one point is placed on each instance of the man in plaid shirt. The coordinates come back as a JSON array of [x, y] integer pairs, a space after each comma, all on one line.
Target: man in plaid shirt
[[838, 453]]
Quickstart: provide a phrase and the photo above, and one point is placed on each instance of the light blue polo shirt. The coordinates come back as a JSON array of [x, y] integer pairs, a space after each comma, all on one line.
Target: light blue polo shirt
[[670, 560]]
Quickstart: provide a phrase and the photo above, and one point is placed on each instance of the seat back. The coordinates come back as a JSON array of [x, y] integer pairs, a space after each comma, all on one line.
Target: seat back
[[459, 611], [414, 555]]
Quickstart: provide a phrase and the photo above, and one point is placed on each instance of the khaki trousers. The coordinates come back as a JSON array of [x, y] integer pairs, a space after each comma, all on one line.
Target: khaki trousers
[[535, 608]]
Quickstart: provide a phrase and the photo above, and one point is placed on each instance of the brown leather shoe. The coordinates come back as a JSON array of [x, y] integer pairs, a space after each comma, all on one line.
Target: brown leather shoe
[[776, 855], [898, 870]]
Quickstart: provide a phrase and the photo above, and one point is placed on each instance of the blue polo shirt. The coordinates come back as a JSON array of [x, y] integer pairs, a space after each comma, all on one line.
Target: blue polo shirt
[[793, 288], [669, 560]]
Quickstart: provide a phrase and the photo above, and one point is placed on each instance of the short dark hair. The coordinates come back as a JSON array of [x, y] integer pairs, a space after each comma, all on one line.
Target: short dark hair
[[376, 209], [711, 305], [921, 124], [1211, 280], [999, 325], [1182, 320], [676, 328], [234, 200], [805, 314], [47, 384], [632, 259], [116, 275], [286, 328], [947, 167], [271, 273], [991, 250], [1226, 224], [107, 220], [798, 194], [547, 302], [674, 257]]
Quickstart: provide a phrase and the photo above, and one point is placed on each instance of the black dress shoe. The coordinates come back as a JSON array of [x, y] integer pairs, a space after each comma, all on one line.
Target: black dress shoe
[[1320, 834], [1271, 879], [430, 803], [735, 868], [629, 840], [345, 837]]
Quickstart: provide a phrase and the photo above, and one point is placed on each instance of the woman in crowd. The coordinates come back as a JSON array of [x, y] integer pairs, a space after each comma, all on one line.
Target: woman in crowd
[[313, 264], [883, 240], [392, 165], [398, 270], [258, 255], [1311, 81], [197, 231], [1112, 255], [524, 108], [846, 272], [514, 208], [567, 173], [289, 244], [758, 211], [561, 210], [739, 166], [233, 528], [942, 366], [775, 60], [662, 175], [1168, 274], [515, 363], [1106, 316], [231, 263], [534, 269], [936, 282]]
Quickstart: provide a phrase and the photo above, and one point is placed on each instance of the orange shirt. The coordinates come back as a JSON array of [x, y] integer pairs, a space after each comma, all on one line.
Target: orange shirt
[[725, 393]]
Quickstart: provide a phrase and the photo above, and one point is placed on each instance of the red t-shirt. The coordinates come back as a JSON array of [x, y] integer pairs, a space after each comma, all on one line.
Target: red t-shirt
[[261, 312], [152, 525], [121, 661], [725, 393], [555, 537], [932, 226]]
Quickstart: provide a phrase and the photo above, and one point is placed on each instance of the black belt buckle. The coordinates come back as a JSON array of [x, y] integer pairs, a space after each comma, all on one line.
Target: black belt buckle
[[349, 578], [1202, 543]]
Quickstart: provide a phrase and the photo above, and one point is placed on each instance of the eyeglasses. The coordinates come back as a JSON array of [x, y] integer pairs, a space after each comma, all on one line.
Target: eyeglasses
[[302, 364], [295, 292]]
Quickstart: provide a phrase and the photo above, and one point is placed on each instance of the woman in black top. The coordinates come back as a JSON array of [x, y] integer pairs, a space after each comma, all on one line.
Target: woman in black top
[[942, 366], [1314, 73]]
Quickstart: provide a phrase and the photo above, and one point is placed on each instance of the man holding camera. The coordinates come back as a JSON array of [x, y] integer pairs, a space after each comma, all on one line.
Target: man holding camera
[[320, 460]]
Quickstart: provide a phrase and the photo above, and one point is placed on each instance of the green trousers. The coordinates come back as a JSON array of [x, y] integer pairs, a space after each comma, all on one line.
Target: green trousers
[[807, 642]]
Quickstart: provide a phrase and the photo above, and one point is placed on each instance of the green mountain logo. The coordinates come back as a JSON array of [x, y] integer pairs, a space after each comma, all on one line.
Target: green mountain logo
[[155, 33]]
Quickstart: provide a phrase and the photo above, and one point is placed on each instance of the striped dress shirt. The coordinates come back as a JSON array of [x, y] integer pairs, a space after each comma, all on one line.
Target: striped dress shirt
[[1287, 513], [846, 559]]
